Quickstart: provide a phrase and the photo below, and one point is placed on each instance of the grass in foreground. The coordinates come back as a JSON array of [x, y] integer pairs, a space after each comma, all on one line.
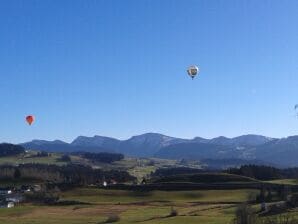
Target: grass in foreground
[[208, 207], [100, 196]]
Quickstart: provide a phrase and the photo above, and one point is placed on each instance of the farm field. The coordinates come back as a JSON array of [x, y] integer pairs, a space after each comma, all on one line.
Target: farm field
[[284, 181], [210, 207], [53, 158], [138, 167]]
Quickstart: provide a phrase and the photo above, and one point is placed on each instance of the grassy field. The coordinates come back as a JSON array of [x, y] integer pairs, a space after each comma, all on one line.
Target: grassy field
[[209, 207], [120, 196], [139, 168], [21, 159], [284, 181], [192, 207]]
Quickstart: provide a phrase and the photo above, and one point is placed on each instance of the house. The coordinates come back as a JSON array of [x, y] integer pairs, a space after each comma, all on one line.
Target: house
[[36, 188], [15, 199], [113, 181], [5, 204], [25, 188], [4, 191], [10, 204]]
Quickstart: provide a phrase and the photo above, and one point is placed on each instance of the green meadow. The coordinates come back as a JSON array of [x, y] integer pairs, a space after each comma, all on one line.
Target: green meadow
[[202, 206]]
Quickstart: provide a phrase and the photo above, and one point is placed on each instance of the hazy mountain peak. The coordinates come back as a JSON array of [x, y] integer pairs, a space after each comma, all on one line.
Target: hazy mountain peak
[[251, 139], [41, 142], [221, 140], [200, 140], [96, 140], [148, 135]]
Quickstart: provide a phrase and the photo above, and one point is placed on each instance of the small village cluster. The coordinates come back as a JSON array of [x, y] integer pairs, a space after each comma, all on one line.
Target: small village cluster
[[10, 197]]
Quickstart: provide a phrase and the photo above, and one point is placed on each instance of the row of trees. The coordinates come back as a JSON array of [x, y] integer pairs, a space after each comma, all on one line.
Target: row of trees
[[257, 172], [246, 214], [103, 157], [165, 172], [69, 174], [264, 172]]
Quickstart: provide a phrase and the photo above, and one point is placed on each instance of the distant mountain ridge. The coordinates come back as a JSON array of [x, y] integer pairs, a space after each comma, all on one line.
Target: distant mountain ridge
[[60, 146], [147, 144], [248, 147], [141, 145], [96, 141], [243, 140]]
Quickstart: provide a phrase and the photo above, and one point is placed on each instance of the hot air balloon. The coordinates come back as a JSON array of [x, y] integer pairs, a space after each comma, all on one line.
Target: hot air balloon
[[192, 71], [30, 119]]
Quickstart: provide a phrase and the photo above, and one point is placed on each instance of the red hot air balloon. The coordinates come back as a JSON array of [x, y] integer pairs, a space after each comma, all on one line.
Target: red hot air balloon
[[30, 119]]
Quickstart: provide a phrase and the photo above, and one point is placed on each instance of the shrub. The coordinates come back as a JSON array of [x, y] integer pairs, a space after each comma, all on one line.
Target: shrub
[[173, 212], [42, 198], [112, 218], [65, 158], [17, 174]]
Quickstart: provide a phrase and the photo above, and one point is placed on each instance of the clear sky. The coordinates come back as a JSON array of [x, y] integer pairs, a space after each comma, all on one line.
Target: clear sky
[[118, 68]]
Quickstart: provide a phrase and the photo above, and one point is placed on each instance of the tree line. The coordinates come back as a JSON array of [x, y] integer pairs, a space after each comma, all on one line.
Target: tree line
[[264, 172], [69, 174], [103, 157]]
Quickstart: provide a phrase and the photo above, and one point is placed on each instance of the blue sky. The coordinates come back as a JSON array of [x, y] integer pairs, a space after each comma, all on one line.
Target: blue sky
[[118, 68]]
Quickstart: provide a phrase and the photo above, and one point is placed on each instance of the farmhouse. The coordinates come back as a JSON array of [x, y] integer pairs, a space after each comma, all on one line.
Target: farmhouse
[[10, 204], [5, 191]]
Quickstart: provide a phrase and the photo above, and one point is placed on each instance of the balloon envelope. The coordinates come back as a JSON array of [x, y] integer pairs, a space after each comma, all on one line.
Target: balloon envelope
[[192, 71], [30, 119]]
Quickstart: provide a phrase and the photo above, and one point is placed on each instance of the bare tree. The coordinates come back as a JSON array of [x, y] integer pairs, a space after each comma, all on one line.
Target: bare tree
[[245, 215]]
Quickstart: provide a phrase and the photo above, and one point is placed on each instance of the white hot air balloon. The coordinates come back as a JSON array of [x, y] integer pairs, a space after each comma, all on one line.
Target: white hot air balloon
[[193, 70]]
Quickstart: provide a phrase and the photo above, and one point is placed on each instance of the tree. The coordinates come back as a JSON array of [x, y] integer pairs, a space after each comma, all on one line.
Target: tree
[[65, 158], [245, 215], [17, 174]]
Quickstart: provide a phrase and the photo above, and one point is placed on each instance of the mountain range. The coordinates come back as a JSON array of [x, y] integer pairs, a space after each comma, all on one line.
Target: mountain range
[[283, 152]]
